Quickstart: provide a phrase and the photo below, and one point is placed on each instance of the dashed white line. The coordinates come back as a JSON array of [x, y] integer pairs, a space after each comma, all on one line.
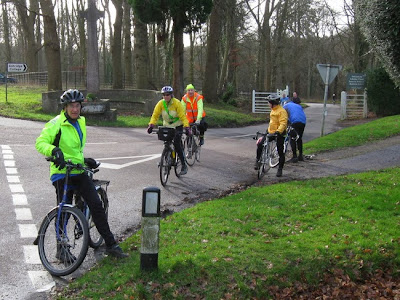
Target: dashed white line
[[16, 188], [23, 214], [19, 199], [27, 230], [13, 179], [31, 254]]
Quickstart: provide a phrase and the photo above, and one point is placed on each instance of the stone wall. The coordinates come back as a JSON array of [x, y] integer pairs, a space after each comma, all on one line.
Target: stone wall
[[108, 103]]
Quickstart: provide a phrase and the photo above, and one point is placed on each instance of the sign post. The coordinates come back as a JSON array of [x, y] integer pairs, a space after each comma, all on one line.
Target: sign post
[[328, 72], [16, 68]]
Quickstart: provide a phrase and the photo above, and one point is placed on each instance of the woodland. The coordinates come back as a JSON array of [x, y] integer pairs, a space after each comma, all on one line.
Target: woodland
[[224, 47]]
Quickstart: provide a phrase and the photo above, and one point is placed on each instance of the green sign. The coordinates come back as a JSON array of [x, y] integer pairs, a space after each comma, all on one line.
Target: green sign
[[356, 81]]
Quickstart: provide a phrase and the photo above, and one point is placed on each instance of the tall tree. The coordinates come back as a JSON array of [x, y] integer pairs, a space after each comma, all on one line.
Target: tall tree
[[51, 46], [186, 15], [116, 47], [127, 26], [6, 31], [141, 52], [211, 71]]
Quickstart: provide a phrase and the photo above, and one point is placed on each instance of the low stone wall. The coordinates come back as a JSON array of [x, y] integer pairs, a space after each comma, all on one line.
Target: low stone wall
[[136, 101]]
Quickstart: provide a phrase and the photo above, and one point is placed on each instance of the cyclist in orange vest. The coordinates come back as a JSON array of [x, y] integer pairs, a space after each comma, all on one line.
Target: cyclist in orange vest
[[193, 103]]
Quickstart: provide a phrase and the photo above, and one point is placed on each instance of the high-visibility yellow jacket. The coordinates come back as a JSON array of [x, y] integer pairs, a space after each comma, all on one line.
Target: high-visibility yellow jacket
[[173, 114], [70, 143], [194, 107], [278, 120]]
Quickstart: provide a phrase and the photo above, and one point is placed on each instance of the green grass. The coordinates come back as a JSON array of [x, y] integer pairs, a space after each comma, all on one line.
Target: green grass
[[357, 135], [276, 235], [26, 103]]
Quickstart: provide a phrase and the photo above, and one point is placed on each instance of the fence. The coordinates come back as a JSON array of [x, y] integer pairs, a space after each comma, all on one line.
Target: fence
[[353, 106], [260, 102]]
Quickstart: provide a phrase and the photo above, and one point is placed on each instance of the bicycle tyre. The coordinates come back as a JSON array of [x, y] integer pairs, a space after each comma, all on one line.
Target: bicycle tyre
[[288, 149], [178, 165], [165, 166], [264, 162], [75, 241], [274, 156], [198, 148], [190, 150], [95, 238]]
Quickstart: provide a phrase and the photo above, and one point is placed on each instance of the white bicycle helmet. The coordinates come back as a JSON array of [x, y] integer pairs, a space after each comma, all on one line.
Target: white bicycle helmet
[[167, 89]]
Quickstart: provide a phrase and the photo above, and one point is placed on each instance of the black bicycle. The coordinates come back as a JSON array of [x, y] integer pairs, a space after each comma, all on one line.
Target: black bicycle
[[287, 148], [68, 230], [192, 145], [169, 157], [269, 144]]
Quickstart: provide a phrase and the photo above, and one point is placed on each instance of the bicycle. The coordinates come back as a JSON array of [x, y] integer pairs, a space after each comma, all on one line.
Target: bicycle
[[287, 148], [68, 230], [192, 145], [268, 146], [169, 157]]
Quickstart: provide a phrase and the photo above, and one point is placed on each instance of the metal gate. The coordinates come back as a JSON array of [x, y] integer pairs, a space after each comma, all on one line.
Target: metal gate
[[260, 102]]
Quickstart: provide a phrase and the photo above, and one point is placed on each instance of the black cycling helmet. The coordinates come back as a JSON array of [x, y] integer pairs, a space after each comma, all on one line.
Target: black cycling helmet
[[70, 96], [274, 99]]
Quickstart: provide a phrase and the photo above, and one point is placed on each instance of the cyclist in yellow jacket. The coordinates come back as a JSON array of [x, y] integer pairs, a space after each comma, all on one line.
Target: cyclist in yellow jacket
[[195, 113], [64, 138], [173, 115], [277, 124]]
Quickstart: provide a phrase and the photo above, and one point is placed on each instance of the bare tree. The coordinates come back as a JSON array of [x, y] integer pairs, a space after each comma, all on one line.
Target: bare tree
[[116, 47], [127, 43], [141, 52], [51, 46]]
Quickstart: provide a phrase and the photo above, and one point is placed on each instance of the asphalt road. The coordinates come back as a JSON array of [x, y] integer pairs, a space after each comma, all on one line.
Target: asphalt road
[[129, 159]]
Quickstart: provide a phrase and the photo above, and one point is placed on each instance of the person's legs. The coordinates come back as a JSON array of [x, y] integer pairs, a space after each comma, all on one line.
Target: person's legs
[[300, 130], [279, 145], [202, 128], [258, 152], [179, 148]]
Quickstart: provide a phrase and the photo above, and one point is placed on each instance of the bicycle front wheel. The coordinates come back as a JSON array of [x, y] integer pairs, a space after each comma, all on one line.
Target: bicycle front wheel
[[95, 238], [264, 161], [274, 156], [165, 166], [190, 148], [288, 150], [63, 242]]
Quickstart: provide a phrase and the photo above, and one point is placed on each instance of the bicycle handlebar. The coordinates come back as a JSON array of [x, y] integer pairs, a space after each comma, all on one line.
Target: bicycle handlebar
[[71, 165]]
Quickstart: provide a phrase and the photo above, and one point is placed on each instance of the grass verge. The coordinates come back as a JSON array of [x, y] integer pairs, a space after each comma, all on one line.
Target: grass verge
[[266, 238]]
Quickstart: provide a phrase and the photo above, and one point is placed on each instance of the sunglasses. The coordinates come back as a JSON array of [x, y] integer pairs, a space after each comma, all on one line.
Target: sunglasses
[[167, 94]]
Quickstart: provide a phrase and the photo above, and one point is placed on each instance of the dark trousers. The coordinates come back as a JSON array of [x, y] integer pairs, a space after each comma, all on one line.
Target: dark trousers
[[299, 127], [280, 139], [86, 188], [202, 127], [178, 144]]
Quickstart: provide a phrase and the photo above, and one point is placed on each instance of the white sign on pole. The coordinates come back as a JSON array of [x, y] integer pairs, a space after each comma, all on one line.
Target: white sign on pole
[[17, 68]]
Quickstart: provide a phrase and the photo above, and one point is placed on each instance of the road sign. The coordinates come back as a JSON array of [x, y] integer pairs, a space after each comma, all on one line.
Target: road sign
[[356, 81], [17, 68], [333, 71]]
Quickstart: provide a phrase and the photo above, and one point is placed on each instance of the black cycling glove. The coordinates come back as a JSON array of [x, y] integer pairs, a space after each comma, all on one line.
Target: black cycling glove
[[91, 163], [58, 158]]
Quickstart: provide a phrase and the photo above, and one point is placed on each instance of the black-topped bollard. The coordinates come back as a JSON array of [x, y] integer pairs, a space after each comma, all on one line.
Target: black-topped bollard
[[150, 228]]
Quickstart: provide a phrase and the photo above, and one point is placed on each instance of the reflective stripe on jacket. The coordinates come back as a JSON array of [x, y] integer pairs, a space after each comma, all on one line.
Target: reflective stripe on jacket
[[194, 107], [278, 120], [175, 109], [70, 142]]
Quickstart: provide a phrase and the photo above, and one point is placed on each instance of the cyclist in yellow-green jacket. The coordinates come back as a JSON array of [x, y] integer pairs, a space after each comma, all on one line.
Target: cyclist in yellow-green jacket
[[64, 138], [174, 116]]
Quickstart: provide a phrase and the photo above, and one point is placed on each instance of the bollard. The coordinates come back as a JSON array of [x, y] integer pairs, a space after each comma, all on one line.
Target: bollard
[[150, 228]]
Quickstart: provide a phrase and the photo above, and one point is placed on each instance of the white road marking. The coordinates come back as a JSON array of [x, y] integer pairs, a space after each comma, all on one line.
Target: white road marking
[[13, 179], [23, 214], [9, 163], [16, 188], [117, 167], [41, 280], [7, 151], [20, 199], [8, 156], [11, 171], [238, 136], [28, 230], [31, 254]]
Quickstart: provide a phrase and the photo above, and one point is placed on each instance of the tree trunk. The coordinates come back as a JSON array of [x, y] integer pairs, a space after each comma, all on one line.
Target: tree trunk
[[178, 61], [116, 48], [51, 46], [211, 71], [141, 53], [127, 44], [6, 32]]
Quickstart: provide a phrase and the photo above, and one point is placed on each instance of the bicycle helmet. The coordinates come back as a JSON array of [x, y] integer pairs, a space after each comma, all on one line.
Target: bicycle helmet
[[167, 89], [70, 96], [274, 99]]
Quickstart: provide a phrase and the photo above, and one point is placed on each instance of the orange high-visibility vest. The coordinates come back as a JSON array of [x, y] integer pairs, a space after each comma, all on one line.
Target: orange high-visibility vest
[[191, 107]]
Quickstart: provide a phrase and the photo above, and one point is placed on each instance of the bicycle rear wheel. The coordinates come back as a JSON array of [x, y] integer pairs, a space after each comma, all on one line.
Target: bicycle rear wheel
[[274, 156], [288, 150], [95, 239], [165, 166], [177, 165], [190, 148], [62, 253]]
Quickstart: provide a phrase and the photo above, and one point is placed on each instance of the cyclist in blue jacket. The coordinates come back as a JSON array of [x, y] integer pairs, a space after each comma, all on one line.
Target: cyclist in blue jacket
[[298, 120], [64, 138]]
